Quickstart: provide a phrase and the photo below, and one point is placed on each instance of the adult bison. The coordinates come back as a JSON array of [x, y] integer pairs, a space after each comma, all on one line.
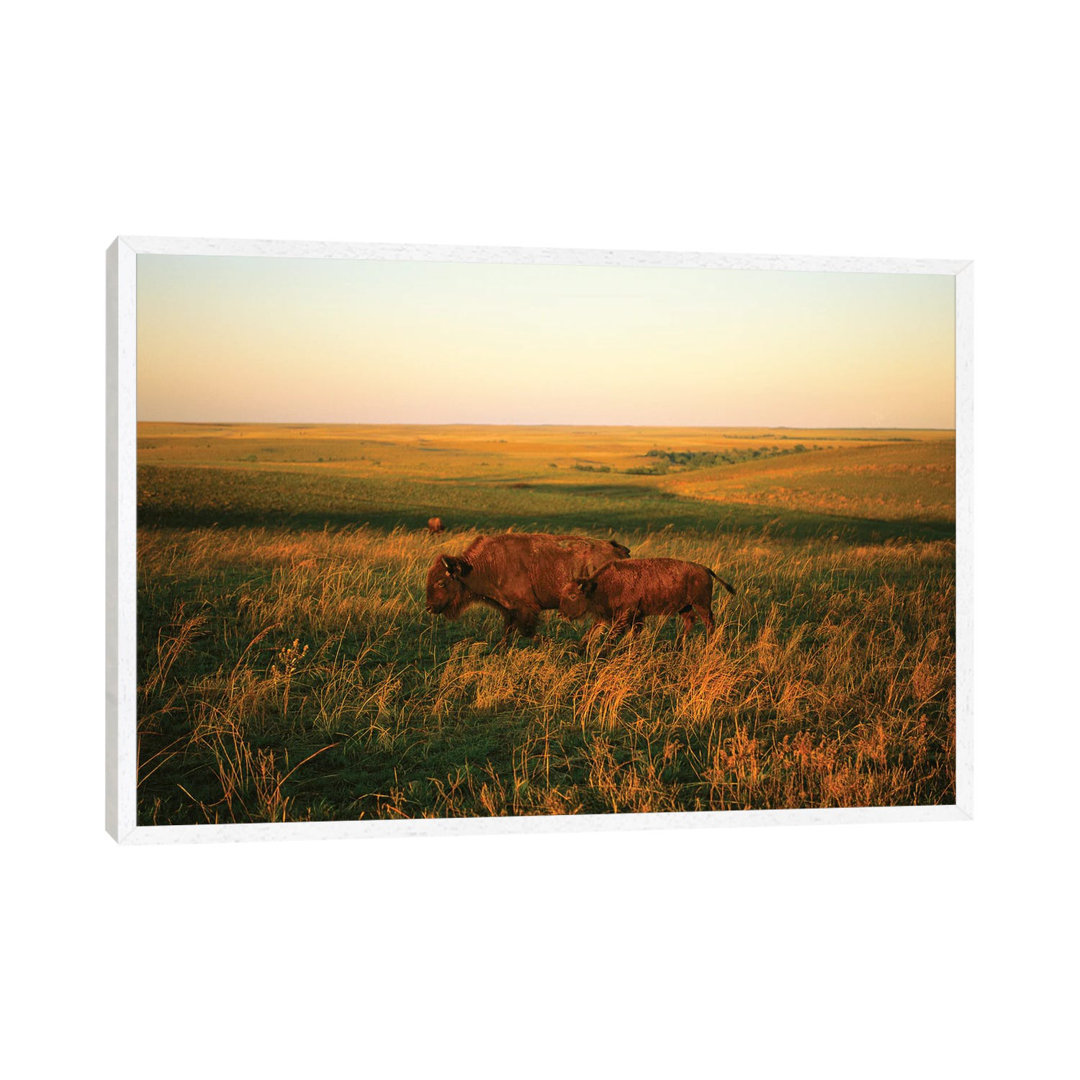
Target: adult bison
[[518, 574], [435, 525], [622, 594]]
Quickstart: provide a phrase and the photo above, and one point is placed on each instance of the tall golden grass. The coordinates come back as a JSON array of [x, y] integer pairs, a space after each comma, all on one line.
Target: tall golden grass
[[295, 675]]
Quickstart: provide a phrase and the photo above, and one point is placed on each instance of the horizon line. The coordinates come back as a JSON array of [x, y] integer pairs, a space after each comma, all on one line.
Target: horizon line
[[495, 424]]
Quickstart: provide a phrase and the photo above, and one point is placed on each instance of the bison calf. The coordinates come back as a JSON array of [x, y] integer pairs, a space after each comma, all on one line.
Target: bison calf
[[622, 593], [435, 525]]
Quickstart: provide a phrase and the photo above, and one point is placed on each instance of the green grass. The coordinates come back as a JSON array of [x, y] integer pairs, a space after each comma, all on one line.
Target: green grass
[[830, 682]]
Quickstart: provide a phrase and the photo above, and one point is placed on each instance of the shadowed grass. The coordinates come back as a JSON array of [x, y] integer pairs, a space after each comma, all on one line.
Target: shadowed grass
[[288, 671], [829, 682]]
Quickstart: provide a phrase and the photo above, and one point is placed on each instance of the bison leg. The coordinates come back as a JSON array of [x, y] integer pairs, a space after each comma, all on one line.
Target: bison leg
[[521, 622], [508, 625], [631, 626], [706, 615]]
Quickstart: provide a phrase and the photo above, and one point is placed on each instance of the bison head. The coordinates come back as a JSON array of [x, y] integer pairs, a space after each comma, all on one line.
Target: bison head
[[446, 595], [574, 597]]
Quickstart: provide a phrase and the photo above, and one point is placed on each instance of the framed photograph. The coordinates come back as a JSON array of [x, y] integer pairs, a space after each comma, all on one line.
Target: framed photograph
[[424, 539]]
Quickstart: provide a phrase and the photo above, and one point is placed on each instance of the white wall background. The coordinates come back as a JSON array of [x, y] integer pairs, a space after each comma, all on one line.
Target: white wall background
[[924, 129]]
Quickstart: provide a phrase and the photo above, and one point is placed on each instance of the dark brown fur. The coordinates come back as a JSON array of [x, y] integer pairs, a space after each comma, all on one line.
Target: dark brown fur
[[435, 525], [519, 574], [622, 594]]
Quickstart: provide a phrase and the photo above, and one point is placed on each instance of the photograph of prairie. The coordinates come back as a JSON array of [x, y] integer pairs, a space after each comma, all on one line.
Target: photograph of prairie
[[430, 539]]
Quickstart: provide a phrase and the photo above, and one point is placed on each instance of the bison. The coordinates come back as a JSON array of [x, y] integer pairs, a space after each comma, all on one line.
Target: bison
[[435, 525], [518, 574], [621, 594]]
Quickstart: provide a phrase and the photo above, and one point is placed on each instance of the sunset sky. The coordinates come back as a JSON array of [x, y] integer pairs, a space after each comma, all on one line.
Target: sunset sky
[[224, 338]]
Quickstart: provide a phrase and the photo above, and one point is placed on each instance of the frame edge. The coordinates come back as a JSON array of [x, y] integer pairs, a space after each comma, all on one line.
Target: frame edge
[[623, 257], [120, 729], [437, 828], [965, 534], [111, 537]]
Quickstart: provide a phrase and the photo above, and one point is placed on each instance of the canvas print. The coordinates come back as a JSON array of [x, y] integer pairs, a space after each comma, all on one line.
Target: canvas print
[[437, 539]]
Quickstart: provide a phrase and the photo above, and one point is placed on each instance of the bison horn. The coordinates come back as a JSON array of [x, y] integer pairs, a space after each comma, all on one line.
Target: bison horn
[[457, 568]]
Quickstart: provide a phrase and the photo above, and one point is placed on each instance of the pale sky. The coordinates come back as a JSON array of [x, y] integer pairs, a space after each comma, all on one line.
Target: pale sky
[[222, 338]]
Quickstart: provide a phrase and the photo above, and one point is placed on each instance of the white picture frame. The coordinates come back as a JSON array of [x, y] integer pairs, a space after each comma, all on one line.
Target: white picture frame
[[121, 718]]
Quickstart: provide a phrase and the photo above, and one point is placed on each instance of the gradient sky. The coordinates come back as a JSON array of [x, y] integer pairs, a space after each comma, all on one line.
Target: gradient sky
[[222, 338]]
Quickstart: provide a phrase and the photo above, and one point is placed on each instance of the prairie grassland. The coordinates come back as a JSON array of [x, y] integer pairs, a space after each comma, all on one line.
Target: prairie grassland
[[288, 670]]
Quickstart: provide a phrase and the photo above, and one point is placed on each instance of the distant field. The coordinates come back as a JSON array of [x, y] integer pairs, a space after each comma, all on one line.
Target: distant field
[[288, 670]]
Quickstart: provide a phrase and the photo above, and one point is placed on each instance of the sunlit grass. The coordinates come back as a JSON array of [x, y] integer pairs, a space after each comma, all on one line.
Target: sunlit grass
[[288, 670]]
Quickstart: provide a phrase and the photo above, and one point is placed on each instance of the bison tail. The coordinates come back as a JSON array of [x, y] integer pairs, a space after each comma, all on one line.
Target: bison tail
[[729, 588]]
